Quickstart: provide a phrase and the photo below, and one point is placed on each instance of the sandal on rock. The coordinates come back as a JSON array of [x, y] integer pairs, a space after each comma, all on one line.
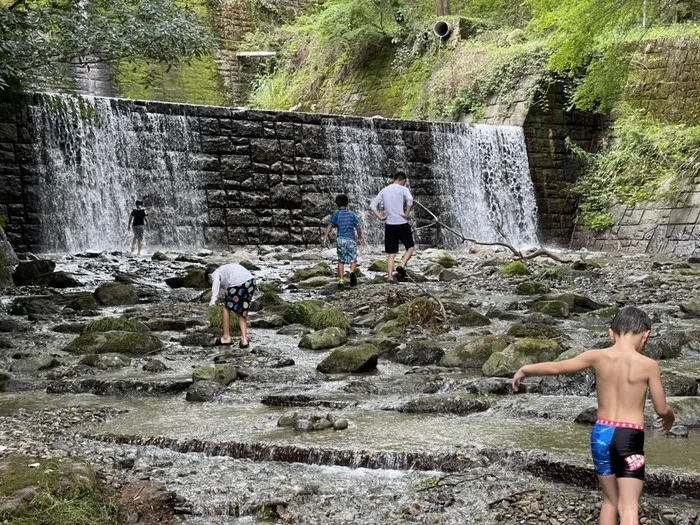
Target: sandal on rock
[[219, 342], [244, 346]]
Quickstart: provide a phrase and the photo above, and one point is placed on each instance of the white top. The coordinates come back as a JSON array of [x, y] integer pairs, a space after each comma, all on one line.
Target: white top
[[227, 276], [393, 198]]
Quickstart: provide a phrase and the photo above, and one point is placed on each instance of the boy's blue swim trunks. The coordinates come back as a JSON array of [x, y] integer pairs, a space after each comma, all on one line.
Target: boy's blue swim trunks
[[618, 448]]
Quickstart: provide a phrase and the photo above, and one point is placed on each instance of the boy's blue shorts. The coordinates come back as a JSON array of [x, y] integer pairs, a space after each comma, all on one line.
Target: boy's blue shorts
[[347, 251]]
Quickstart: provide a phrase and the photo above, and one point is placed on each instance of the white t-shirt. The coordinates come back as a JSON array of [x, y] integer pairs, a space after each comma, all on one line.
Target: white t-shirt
[[227, 276], [393, 198]]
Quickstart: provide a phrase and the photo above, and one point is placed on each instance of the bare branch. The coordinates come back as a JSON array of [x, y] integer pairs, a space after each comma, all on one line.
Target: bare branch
[[510, 498]]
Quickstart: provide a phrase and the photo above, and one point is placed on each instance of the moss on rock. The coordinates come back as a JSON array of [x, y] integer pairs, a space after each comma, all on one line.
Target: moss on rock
[[514, 268], [128, 343], [322, 269], [300, 312], [329, 317], [116, 323]]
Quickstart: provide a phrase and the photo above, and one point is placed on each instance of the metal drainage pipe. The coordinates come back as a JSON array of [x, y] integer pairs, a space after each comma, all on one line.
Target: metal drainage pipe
[[442, 30]]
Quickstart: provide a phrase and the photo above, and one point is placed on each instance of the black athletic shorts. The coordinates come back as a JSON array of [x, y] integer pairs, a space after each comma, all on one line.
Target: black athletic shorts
[[618, 448], [393, 233]]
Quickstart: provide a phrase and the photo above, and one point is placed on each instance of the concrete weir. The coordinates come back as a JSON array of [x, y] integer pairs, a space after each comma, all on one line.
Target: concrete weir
[[659, 482]]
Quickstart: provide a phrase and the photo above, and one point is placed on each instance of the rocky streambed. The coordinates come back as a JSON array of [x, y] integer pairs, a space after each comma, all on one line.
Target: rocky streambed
[[376, 404]]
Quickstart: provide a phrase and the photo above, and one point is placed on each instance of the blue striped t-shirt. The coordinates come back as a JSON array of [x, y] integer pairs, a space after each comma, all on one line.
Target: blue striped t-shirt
[[345, 221]]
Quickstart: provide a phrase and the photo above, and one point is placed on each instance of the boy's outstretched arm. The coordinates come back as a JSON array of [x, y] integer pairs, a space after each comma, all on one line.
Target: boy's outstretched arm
[[658, 398], [555, 368], [325, 235]]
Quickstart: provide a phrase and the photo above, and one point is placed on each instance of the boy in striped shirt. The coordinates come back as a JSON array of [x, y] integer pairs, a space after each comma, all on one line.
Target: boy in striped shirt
[[347, 224]]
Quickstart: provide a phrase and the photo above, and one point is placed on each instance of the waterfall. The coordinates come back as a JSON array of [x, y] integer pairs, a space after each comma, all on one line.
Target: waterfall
[[97, 159], [485, 180], [481, 173]]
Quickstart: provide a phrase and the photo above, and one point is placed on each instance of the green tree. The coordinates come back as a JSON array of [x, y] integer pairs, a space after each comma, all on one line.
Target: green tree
[[44, 40]]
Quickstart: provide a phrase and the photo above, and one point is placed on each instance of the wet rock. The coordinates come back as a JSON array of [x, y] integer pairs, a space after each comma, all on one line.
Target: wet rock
[[224, 374], [678, 431], [205, 390], [116, 294], [474, 354], [159, 256], [300, 312], [118, 387], [377, 266], [388, 328], [34, 306], [324, 339], [266, 300], [322, 424], [449, 275], [532, 288], [83, 303], [406, 384], [350, 359], [553, 308], [176, 282], [485, 386], [27, 271], [280, 376], [678, 385], [519, 353], [587, 416], [534, 330], [266, 321], [108, 324], [167, 325], [315, 282], [330, 317], [288, 419], [294, 329], [56, 280], [686, 410], [443, 404], [419, 352], [106, 361], [9, 325], [6, 343], [8, 260], [605, 314], [661, 348], [129, 343], [340, 424], [303, 425], [155, 366], [470, 317], [540, 318], [322, 269], [433, 270], [580, 384], [691, 308], [514, 268], [203, 338], [33, 364]]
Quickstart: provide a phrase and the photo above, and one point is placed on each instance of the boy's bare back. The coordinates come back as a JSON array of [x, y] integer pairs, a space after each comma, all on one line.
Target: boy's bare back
[[622, 377]]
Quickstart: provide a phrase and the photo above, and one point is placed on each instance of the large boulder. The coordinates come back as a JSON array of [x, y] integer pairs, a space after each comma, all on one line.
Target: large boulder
[[105, 361], [204, 390], [532, 288], [322, 269], [128, 343], [221, 373], [679, 384], [534, 330], [27, 271], [469, 317], [300, 312], [686, 410], [350, 359], [33, 363], [553, 308], [116, 294], [122, 324], [442, 404], [56, 280], [266, 321], [324, 339], [83, 302], [514, 268], [474, 354], [419, 352], [662, 347], [521, 352], [691, 308]]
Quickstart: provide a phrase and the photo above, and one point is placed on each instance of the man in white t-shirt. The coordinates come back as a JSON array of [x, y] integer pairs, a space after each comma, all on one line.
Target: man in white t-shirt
[[396, 201]]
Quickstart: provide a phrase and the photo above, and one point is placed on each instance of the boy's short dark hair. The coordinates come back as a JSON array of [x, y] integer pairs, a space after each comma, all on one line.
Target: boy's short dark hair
[[400, 176], [208, 271], [139, 203], [341, 200], [630, 320]]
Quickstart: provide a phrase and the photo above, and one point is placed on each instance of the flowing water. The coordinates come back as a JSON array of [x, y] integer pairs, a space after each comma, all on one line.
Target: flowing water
[[98, 159]]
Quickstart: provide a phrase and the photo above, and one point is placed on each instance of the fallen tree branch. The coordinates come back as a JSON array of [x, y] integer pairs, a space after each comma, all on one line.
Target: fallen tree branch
[[504, 243], [450, 477], [443, 312]]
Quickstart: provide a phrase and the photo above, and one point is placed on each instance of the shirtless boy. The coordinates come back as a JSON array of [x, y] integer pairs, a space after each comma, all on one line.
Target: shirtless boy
[[622, 375]]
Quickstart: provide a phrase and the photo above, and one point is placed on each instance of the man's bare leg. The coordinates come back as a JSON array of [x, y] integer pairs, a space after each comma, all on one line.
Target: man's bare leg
[[243, 325], [407, 256], [225, 320], [608, 512], [629, 491], [390, 265]]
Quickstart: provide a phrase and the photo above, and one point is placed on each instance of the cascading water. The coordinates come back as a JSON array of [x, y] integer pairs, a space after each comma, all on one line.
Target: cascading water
[[364, 163], [485, 180], [97, 160], [481, 172]]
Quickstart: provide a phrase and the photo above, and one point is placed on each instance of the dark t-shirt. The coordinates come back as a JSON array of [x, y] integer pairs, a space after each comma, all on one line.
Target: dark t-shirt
[[139, 217]]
